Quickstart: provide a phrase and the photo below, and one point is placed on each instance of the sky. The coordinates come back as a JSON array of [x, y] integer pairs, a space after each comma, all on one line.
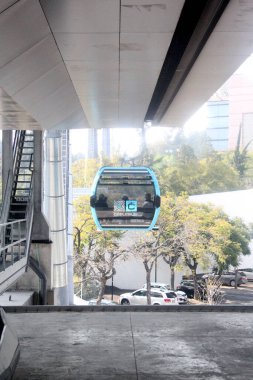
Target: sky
[[127, 140]]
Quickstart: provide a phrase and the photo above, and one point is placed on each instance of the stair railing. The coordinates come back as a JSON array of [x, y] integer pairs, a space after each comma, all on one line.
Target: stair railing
[[15, 147], [29, 219], [20, 230], [6, 198], [16, 231]]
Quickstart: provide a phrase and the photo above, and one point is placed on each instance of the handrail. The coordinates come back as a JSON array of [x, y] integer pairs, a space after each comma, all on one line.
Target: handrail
[[9, 183], [15, 146], [17, 243], [12, 222], [30, 163], [29, 219], [6, 199]]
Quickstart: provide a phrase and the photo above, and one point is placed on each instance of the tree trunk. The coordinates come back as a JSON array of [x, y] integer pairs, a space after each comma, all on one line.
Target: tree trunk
[[101, 291], [172, 277], [194, 275], [148, 287]]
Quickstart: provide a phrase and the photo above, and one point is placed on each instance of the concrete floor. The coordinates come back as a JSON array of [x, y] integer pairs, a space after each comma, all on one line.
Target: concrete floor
[[134, 345]]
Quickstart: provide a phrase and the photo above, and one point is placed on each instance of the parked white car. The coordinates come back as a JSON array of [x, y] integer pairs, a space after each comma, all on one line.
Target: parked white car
[[139, 297], [248, 272], [181, 296]]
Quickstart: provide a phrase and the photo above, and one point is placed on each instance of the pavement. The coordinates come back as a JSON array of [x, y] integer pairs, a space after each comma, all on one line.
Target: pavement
[[140, 343]]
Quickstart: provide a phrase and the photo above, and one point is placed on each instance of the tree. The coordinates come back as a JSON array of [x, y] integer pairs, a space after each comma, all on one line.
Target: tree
[[199, 235], [194, 242], [102, 258], [214, 296], [147, 249], [240, 158], [84, 171], [185, 173], [170, 223], [184, 234], [84, 238], [236, 245], [95, 252]]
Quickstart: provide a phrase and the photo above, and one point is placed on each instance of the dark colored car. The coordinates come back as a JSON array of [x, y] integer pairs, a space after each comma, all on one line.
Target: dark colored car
[[189, 290], [187, 286]]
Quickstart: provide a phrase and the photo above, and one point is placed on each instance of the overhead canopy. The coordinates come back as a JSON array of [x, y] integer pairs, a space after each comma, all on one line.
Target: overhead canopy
[[116, 63]]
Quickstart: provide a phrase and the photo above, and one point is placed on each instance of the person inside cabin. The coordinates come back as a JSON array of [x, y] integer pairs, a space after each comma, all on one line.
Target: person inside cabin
[[148, 207], [148, 203], [102, 201]]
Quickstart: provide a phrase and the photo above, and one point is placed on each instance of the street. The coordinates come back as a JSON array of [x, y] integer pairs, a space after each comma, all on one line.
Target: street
[[243, 295]]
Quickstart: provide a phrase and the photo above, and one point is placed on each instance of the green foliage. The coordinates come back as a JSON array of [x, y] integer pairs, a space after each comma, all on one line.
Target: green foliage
[[84, 171], [190, 234], [238, 243], [200, 235], [186, 173]]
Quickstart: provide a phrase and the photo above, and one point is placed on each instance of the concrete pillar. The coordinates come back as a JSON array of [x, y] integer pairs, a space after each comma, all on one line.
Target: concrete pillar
[[7, 159], [40, 229], [55, 212]]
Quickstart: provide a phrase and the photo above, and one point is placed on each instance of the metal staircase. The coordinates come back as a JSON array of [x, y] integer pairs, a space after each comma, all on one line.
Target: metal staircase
[[17, 211]]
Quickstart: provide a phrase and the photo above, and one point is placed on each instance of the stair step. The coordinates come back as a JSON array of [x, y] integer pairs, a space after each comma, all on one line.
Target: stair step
[[23, 181], [21, 208], [17, 211], [18, 215], [22, 187], [19, 203]]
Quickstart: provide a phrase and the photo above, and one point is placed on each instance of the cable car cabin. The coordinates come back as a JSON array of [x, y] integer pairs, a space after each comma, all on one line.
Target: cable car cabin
[[125, 198]]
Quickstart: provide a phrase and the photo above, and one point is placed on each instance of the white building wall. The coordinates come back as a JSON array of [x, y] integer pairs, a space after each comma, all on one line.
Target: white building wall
[[131, 274]]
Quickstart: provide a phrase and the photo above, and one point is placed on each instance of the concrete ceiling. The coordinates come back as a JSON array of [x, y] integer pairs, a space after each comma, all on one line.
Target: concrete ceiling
[[116, 63]]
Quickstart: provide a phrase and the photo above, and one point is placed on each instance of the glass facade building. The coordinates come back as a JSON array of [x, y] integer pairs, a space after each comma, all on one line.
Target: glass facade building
[[218, 124]]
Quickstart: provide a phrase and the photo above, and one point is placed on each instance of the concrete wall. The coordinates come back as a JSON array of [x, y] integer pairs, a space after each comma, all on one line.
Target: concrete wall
[[30, 281]]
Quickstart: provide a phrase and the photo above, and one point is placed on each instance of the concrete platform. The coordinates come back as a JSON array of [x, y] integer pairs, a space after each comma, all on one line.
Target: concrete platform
[[134, 345], [14, 298]]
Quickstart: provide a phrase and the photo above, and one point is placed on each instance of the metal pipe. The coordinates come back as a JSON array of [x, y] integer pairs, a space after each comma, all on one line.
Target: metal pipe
[[55, 212], [69, 192]]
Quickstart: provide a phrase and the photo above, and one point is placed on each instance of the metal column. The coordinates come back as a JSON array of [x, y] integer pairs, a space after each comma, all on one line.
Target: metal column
[[55, 212]]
